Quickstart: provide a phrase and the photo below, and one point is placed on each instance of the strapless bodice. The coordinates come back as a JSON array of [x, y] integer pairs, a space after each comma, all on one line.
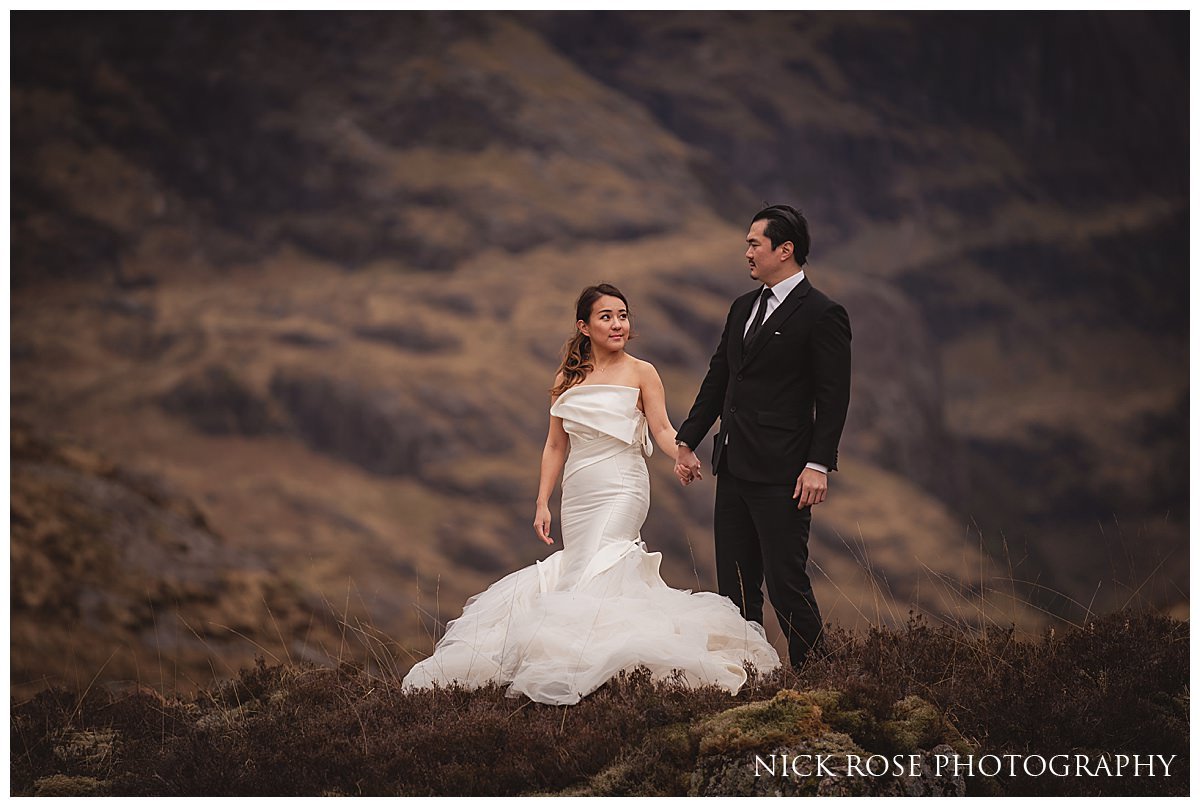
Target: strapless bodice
[[591, 412]]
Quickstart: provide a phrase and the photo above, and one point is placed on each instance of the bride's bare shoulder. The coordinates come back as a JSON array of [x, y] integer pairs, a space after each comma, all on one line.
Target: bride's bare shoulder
[[647, 377], [645, 370], [554, 392]]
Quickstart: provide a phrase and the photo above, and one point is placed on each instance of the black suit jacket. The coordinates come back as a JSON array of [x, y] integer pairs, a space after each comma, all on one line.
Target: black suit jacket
[[782, 398]]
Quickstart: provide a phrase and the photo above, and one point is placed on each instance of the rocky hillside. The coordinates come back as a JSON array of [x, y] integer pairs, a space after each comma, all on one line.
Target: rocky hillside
[[311, 273], [109, 563]]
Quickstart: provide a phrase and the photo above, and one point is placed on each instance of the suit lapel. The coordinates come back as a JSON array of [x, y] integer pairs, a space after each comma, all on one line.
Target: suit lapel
[[741, 317], [777, 318]]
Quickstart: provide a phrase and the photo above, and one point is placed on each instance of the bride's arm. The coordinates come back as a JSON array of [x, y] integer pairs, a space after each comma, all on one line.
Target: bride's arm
[[654, 399], [554, 456]]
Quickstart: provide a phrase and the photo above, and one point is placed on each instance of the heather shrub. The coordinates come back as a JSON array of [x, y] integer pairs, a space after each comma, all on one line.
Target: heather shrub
[[1117, 684]]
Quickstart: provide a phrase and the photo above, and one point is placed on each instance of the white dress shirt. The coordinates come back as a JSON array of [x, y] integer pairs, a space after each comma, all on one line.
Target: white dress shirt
[[779, 293]]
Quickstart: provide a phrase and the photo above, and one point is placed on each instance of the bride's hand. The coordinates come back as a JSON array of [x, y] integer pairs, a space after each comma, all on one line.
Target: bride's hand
[[687, 465], [541, 524]]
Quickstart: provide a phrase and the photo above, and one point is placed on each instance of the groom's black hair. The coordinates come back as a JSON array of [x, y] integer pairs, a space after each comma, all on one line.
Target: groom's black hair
[[785, 223]]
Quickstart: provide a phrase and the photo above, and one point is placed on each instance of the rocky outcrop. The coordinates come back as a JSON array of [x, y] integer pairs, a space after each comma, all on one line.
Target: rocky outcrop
[[799, 744], [354, 422], [216, 401]]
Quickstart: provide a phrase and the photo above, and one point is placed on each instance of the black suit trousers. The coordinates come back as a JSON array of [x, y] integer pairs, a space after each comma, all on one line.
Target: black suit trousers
[[759, 532]]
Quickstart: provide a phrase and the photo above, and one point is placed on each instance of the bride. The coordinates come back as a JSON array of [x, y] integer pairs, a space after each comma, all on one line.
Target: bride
[[557, 630]]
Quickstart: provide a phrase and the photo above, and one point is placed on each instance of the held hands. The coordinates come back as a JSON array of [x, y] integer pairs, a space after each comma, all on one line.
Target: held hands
[[687, 465], [811, 486], [541, 524]]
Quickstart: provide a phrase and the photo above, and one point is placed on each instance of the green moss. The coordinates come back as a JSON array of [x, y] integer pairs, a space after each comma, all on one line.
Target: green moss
[[737, 774], [916, 724], [859, 723], [789, 717], [660, 766], [675, 742]]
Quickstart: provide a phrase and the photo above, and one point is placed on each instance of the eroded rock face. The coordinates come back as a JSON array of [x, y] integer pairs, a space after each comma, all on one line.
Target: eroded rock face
[[215, 401], [354, 422], [789, 746]]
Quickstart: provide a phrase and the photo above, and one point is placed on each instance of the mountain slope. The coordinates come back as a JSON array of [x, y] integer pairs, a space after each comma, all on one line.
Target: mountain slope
[[313, 273]]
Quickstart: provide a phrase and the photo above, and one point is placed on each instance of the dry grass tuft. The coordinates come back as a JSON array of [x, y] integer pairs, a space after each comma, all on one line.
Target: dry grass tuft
[[1118, 684]]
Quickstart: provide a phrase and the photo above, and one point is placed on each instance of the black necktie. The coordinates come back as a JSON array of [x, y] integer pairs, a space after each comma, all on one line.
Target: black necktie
[[758, 315]]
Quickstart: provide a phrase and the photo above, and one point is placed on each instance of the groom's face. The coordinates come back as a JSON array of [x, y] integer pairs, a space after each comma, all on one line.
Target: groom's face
[[767, 265]]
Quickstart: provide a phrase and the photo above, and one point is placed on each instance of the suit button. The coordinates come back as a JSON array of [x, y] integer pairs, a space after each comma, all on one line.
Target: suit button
[[739, 376], [732, 409]]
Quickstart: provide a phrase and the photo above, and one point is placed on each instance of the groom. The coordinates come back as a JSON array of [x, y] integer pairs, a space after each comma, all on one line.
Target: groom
[[780, 382]]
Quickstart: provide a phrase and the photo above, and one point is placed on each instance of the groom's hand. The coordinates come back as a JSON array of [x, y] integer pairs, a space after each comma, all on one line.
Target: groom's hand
[[687, 465], [811, 487]]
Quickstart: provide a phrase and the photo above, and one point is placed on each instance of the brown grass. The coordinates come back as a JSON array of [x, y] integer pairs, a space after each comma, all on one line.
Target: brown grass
[[1118, 684]]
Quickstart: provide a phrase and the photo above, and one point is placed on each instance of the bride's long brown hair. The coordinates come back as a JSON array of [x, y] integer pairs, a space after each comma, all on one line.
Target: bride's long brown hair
[[577, 352]]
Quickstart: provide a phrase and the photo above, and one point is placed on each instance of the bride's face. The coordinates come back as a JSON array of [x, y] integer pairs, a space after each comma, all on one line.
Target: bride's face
[[608, 327]]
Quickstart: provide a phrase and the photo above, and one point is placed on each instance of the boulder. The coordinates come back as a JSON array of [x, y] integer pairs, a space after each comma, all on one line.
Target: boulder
[[789, 746]]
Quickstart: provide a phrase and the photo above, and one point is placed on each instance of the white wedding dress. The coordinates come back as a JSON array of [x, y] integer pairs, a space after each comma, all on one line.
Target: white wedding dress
[[557, 630]]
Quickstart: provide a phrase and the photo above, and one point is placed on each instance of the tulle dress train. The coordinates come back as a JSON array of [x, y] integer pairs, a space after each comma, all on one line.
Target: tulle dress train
[[557, 630]]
